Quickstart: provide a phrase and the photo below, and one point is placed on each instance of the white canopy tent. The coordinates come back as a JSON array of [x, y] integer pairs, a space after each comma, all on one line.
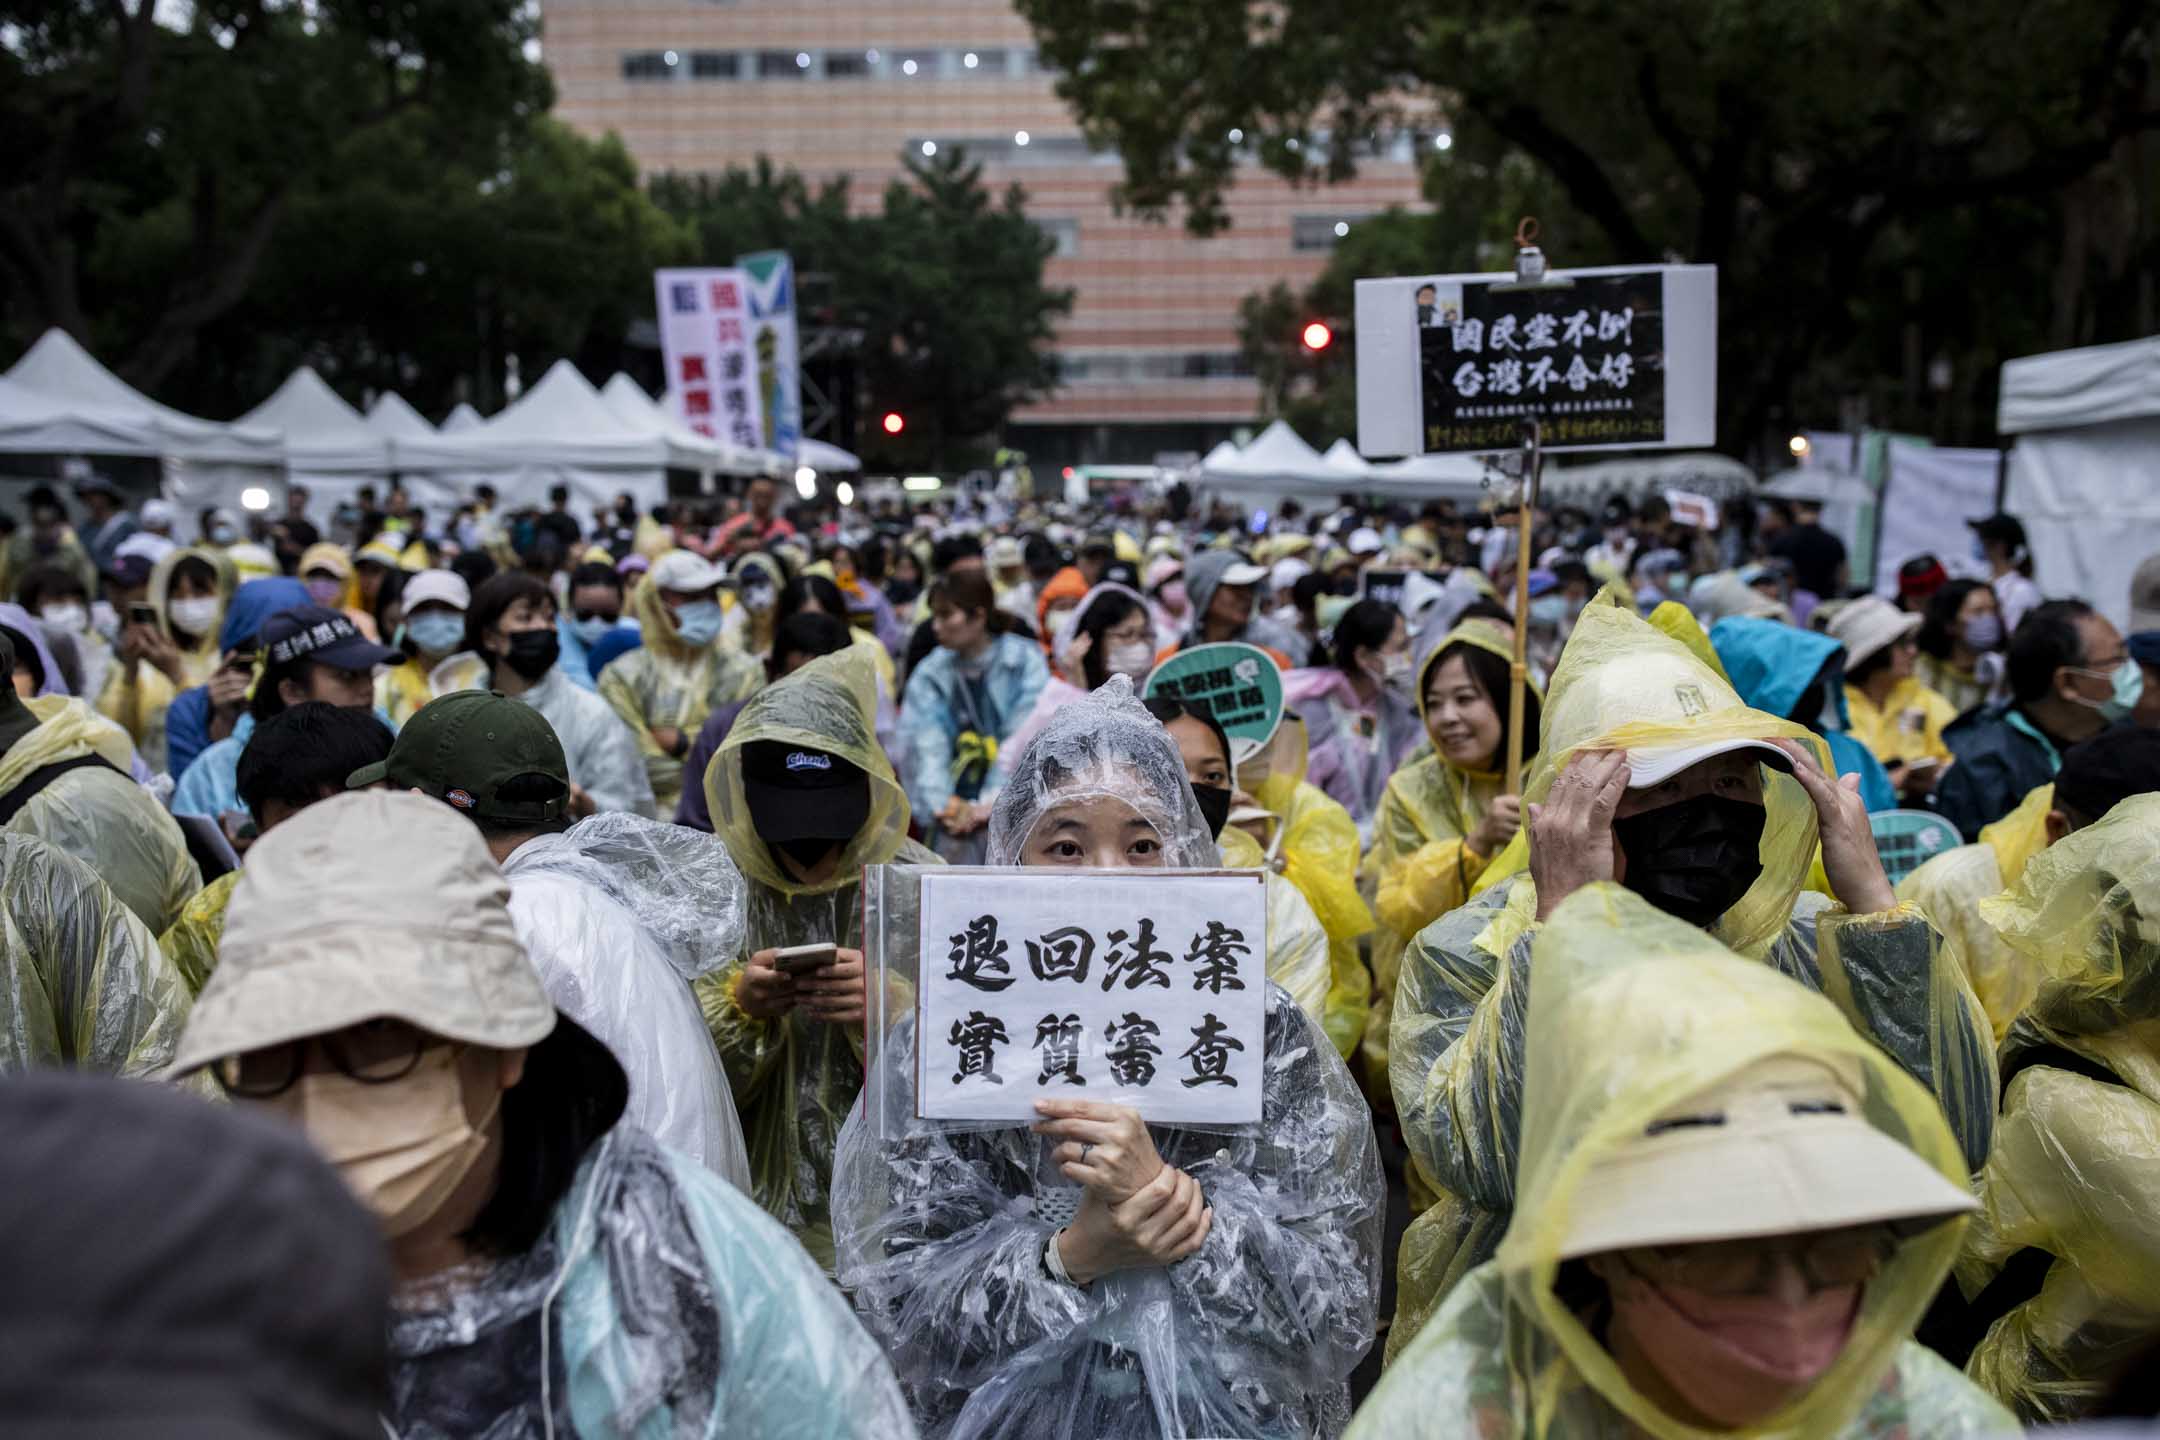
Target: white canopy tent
[[560, 432], [1279, 462], [825, 458], [2083, 470], [393, 416], [329, 447], [58, 391], [686, 449], [462, 416]]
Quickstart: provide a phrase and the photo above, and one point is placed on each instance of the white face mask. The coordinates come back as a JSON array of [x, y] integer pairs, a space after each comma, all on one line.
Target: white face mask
[[403, 1147], [71, 619], [1395, 668], [1135, 658], [198, 617]]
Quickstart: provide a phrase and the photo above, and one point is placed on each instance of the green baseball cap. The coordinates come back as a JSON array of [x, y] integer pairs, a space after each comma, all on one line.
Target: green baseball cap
[[464, 747]]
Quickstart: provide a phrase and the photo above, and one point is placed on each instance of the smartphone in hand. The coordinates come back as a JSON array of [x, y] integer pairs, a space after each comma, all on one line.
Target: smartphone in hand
[[802, 959]]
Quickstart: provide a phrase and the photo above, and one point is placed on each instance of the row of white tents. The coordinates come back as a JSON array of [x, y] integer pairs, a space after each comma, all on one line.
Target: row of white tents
[[57, 399]]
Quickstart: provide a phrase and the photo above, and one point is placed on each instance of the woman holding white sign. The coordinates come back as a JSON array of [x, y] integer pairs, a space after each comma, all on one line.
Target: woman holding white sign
[[1092, 1275]]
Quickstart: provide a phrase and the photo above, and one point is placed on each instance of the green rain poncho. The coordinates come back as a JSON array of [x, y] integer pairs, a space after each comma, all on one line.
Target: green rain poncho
[[82, 981], [795, 1078], [667, 683], [2074, 1179], [1629, 1013], [1457, 1045]]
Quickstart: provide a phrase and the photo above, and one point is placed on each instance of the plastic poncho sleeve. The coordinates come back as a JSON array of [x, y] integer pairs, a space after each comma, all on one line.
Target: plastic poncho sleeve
[[1301, 957], [192, 941], [941, 1244], [85, 982], [601, 748], [1320, 857], [100, 815]]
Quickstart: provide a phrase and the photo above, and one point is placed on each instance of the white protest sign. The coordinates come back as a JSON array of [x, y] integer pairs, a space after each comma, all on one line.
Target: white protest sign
[[1608, 358], [1145, 988], [712, 379]]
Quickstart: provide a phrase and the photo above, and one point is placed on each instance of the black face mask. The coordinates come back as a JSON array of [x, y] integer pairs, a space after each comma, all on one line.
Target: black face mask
[[1214, 806], [807, 851], [1694, 858], [532, 652]]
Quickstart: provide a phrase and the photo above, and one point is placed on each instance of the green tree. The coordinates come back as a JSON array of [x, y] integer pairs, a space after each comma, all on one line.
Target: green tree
[[944, 282], [150, 153], [1851, 168]]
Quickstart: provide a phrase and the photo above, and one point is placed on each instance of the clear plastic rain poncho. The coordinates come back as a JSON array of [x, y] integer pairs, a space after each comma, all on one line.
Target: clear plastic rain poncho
[[1299, 955], [668, 683], [82, 981], [620, 914], [1421, 865], [2075, 1173], [1949, 887], [1316, 845], [1629, 1013], [941, 1229], [660, 1302], [97, 813], [1456, 1045], [795, 1078]]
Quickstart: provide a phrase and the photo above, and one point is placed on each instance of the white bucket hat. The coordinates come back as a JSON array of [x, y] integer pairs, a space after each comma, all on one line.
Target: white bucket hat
[[1780, 1148], [1868, 625], [373, 905]]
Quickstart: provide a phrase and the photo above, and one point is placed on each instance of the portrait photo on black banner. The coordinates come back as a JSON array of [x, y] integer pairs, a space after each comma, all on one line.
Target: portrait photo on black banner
[[1587, 358]]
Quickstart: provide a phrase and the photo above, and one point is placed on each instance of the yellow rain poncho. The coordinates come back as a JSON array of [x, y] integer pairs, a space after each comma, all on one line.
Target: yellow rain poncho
[[1299, 955], [2070, 1227], [794, 1078], [137, 694], [82, 981], [667, 683], [1317, 845], [1949, 888], [191, 943], [1421, 864], [1629, 1013], [97, 813], [1456, 1051]]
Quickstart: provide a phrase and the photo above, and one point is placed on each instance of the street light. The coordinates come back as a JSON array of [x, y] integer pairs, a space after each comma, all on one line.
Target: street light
[[844, 493], [1799, 447], [894, 422], [254, 498], [1317, 337]]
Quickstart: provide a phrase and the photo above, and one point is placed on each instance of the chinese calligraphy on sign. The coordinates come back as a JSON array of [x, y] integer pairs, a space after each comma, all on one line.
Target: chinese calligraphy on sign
[[1238, 684], [1587, 358], [706, 344], [1147, 991]]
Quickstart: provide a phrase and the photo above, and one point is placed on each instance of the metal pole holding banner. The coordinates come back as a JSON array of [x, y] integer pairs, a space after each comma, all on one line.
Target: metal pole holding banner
[[1519, 662]]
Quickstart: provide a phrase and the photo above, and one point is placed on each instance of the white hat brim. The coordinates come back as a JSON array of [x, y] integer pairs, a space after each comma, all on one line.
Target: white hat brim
[[1651, 767]]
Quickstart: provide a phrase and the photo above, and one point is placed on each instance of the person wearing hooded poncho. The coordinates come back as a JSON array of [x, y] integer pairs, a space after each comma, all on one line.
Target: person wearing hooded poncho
[[1359, 709], [681, 672], [153, 663], [1799, 674], [1220, 585], [1195, 1283], [557, 1271], [801, 837], [2063, 1265], [1652, 773], [1444, 817], [1731, 1210]]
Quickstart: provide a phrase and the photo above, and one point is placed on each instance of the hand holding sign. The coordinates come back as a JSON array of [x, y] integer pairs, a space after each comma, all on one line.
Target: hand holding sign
[[1107, 1147]]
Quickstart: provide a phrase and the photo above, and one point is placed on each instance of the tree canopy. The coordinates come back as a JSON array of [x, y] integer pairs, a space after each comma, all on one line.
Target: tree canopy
[[1892, 191]]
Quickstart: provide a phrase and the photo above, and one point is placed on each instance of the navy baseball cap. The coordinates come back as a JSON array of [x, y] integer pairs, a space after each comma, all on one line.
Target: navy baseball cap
[[315, 633], [796, 793]]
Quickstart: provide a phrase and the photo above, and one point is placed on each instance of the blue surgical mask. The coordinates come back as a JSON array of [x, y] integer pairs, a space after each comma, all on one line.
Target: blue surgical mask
[[437, 632], [2129, 678], [698, 623], [1983, 632], [1548, 610], [589, 632]]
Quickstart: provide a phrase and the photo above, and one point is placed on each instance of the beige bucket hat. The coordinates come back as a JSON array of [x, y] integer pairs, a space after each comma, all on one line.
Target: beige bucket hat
[[368, 906], [1778, 1149]]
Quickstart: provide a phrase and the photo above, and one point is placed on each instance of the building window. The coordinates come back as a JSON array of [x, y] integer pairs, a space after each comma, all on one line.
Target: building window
[[1125, 367], [649, 65], [715, 65], [1319, 232], [1064, 233], [846, 64], [780, 65], [914, 64]]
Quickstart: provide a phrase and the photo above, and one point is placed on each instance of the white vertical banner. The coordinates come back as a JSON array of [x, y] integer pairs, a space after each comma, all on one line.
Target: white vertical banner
[[705, 343], [775, 354]]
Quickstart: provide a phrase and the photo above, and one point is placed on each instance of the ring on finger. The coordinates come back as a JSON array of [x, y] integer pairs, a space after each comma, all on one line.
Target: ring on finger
[[1085, 1147]]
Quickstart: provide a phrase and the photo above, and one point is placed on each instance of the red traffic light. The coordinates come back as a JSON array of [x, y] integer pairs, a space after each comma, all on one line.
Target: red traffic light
[[1317, 336], [894, 422]]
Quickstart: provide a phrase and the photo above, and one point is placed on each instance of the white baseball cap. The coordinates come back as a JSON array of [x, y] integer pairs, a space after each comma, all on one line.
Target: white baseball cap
[[1868, 625], [685, 571], [1365, 541], [439, 587], [1780, 1148], [1241, 573], [1655, 765]]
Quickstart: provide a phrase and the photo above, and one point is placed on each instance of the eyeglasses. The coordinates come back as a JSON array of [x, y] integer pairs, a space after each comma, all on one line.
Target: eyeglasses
[[374, 1053], [1827, 1259]]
